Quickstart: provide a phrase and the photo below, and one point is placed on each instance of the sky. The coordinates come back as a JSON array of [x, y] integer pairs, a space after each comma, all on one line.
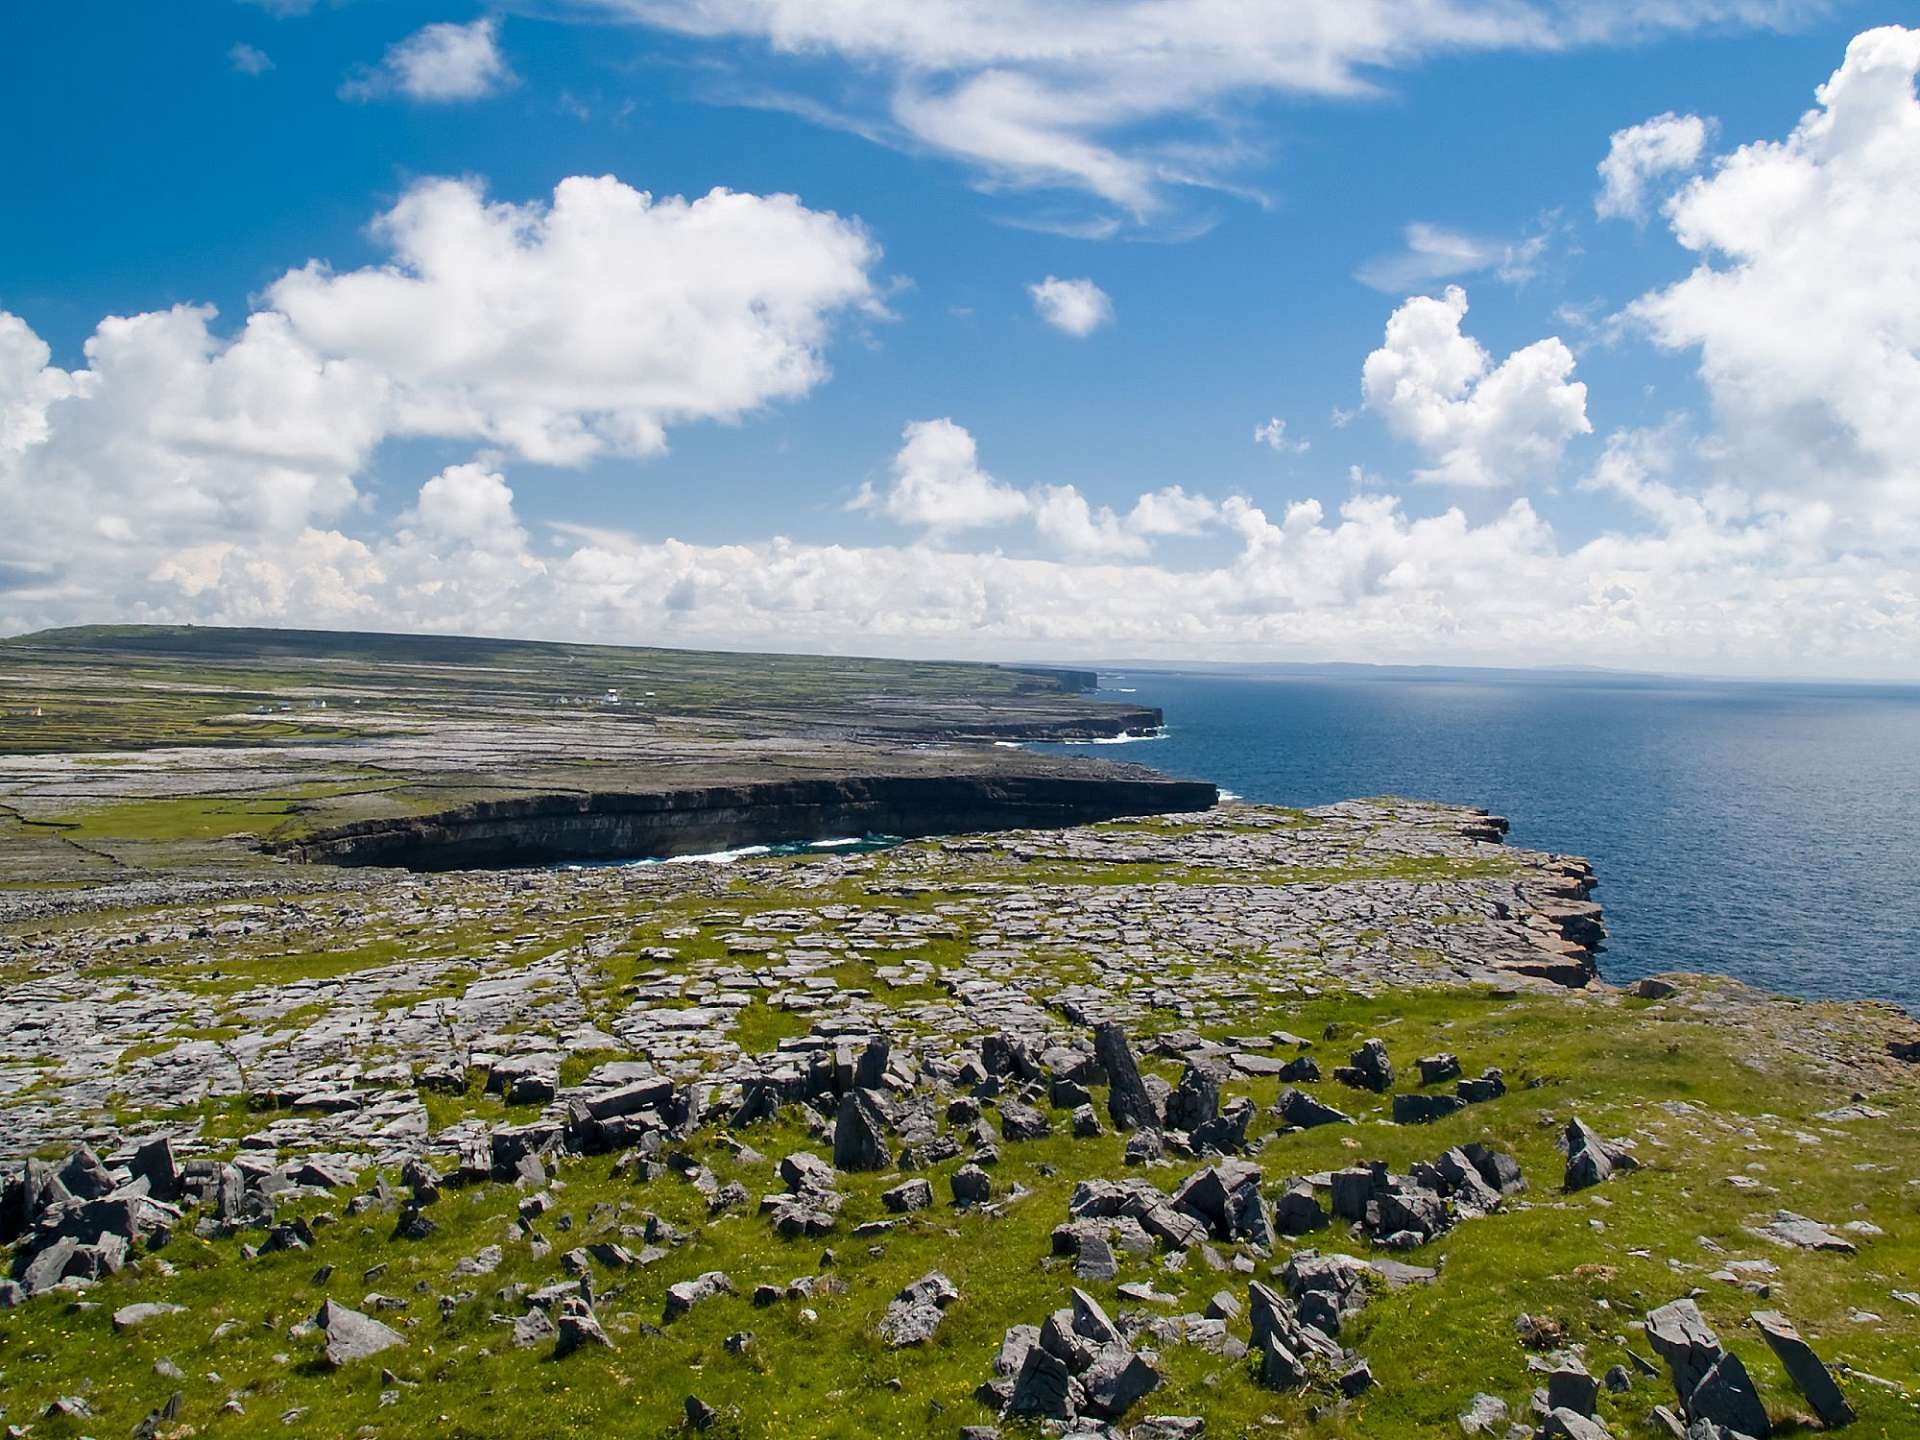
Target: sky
[[1516, 332]]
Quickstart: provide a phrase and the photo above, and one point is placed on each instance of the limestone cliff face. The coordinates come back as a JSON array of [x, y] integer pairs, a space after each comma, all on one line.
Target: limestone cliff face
[[540, 829], [1109, 721], [1569, 928]]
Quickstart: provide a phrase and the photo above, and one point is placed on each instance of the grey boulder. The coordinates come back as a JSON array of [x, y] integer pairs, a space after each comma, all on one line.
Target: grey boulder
[[1809, 1375], [352, 1336]]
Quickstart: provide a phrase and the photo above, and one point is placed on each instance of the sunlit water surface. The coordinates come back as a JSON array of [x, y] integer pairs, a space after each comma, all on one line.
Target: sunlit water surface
[[1771, 832]]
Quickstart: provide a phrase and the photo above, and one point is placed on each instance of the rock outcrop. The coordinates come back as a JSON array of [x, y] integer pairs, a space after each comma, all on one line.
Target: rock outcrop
[[637, 824]]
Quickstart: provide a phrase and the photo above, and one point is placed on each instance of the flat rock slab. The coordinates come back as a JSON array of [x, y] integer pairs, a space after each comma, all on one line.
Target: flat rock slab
[[352, 1336], [131, 1317], [1799, 1233]]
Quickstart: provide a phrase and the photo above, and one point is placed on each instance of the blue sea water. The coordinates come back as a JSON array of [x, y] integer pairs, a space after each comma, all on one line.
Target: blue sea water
[[1765, 831]]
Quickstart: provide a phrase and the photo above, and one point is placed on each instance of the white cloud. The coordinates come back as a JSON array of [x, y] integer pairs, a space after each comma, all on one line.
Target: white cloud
[[171, 432], [1712, 583], [1063, 516], [28, 387], [188, 473], [1707, 587], [248, 59], [592, 325], [1073, 307], [1805, 307], [1433, 252], [1665, 145], [1273, 435], [470, 505], [1172, 511], [938, 484], [437, 64], [1480, 424], [1131, 101], [554, 333]]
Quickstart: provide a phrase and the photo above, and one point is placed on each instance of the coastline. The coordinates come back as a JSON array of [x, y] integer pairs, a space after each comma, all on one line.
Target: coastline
[[884, 1110], [420, 1073]]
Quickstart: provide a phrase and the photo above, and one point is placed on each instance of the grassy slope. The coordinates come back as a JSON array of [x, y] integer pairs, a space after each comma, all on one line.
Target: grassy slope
[[1593, 1261]]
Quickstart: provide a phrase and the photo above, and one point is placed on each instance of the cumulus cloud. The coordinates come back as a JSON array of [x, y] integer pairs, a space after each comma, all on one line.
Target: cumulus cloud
[[589, 326], [437, 64], [1067, 519], [938, 483], [1699, 588], [1665, 145], [1172, 511], [1133, 101], [1712, 581], [192, 473], [1482, 425], [1073, 307], [1805, 306], [171, 431], [555, 333], [938, 486], [469, 505], [28, 386]]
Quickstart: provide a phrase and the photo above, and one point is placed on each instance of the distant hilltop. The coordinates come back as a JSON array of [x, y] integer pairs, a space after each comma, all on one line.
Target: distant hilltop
[[239, 642]]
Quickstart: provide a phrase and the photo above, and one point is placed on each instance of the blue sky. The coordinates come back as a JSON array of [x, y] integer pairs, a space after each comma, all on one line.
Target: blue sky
[[194, 155]]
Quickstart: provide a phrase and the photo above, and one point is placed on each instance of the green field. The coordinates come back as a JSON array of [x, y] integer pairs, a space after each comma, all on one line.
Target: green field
[[168, 747]]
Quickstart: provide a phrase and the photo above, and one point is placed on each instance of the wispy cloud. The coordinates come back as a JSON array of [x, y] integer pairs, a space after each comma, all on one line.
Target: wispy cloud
[[1432, 253], [249, 60], [1135, 103]]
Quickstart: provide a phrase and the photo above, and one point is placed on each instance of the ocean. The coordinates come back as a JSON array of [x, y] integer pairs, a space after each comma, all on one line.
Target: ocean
[[1765, 831]]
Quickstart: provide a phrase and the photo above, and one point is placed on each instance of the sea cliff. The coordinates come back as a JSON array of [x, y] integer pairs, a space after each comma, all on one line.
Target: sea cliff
[[601, 825], [1100, 1108]]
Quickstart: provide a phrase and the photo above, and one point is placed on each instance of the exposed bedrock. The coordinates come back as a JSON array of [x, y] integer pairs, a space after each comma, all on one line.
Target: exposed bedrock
[[607, 825]]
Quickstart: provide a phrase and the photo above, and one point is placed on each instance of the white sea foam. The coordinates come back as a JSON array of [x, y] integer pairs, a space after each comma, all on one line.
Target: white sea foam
[[713, 857], [745, 852], [1125, 737]]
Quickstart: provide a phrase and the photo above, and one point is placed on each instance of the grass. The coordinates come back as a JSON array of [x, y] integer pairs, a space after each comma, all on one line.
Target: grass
[[203, 817], [761, 1027], [1708, 1086], [1593, 1262]]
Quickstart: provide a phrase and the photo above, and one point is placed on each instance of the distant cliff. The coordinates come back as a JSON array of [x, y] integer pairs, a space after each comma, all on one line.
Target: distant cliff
[[540, 829], [1079, 681]]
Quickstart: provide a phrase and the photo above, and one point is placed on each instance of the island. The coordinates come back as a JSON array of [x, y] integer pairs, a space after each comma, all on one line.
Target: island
[[413, 1037]]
